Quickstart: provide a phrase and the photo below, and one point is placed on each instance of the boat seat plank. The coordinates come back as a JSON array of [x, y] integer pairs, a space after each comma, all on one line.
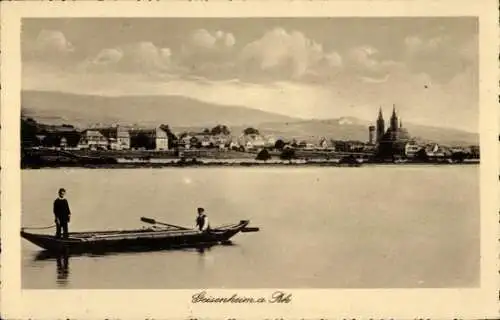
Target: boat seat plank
[[136, 235]]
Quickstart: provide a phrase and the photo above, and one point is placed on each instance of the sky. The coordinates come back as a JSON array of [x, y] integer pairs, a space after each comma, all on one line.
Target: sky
[[303, 67]]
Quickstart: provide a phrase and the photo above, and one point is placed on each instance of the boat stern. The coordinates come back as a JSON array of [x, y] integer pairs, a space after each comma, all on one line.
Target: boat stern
[[44, 241]]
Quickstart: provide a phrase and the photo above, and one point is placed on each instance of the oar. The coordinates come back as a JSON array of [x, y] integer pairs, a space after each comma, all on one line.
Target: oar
[[250, 229], [153, 221]]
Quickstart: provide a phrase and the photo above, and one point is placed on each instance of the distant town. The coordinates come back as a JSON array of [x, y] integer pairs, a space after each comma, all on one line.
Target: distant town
[[64, 145]]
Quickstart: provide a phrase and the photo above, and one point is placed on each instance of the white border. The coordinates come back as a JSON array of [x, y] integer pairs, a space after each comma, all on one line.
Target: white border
[[140, 304]]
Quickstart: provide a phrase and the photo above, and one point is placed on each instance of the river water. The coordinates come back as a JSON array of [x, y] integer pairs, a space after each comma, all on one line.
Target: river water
[[370, 227]]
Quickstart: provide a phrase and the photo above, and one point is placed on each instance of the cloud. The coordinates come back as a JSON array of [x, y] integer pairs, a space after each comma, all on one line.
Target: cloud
[[433, 76], [108, 56], [277, 55], [134, 57], [280, 52], [52, 41], [441, 57], [50, 46], [375, 80], [413, 43], [205, 53], [364, 56], [365, 62], [203, 39], [145, 56], [333, 59], [201, 44], [416, 45]]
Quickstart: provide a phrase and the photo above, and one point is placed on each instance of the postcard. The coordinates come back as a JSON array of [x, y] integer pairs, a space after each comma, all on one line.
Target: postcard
[[228, 160]]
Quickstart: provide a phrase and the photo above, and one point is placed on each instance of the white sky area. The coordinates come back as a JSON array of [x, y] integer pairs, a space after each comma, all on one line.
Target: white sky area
[[307, 68]]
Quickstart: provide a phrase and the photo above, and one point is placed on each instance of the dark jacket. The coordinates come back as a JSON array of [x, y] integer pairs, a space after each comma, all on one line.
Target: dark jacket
[[200, 221], [61, 209]]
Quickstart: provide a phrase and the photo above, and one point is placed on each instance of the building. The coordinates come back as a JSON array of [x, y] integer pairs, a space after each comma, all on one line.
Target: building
[[221, 139], [369, 148], [475, 151], [149, 139], [93, 139], [411, 149], [252, 141], [185, 140], [348, 146], [233, 145], [435, 151], [56, 137], [325, 144], [380, 125], [371, 135], [340, 145], [204, 140], [113, 138], [355, 146], [306, 145], [118, 137], [270, 141], [393, 142], [161, 139]]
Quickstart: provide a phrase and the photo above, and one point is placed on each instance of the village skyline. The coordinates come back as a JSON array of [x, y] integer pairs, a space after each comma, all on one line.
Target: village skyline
[[387, 133]]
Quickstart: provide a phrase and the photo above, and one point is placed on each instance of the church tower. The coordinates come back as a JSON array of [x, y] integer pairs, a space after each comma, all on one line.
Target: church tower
[[380, 125], [394, 119]]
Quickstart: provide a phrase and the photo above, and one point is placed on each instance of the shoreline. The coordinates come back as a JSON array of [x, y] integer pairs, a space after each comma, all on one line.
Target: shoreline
[[43, 158], [222, 164]]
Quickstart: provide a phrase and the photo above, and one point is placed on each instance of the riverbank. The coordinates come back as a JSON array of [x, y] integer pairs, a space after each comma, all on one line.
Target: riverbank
[[128, 164], [33, 159]]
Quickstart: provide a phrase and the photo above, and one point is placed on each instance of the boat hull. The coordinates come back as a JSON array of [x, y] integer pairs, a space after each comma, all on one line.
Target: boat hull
[[133, 240]]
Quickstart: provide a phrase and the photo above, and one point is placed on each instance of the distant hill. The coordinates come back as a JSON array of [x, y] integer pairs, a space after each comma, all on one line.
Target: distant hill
[[185, 114], [85, 110]]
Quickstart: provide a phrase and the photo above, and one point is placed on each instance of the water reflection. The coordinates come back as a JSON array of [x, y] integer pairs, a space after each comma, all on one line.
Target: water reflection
[[62, 269], [61, 263]]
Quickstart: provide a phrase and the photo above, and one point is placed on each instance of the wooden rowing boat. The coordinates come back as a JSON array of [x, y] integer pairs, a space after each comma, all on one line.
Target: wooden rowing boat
[[148, 239]]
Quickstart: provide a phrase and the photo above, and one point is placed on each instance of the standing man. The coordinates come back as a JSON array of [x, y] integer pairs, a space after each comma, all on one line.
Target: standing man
[[62, 214], [202, 220]]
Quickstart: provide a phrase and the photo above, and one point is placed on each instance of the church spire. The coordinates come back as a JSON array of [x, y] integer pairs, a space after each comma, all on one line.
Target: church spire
[[380, 125], [394, 118], [380, 116]]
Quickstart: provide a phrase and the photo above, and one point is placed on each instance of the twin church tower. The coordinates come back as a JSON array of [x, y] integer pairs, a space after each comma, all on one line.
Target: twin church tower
[[394, 133]]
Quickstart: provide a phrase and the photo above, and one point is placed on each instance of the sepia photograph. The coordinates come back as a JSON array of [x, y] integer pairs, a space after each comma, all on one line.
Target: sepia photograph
[[258, 152], [348, 139]]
